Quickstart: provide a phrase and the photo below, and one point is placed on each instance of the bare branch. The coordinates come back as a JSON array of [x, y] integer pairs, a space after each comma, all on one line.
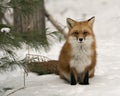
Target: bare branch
[[55, 23]]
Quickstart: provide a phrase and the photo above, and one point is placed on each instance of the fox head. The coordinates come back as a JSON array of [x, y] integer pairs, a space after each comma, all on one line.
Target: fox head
[[80, 32]]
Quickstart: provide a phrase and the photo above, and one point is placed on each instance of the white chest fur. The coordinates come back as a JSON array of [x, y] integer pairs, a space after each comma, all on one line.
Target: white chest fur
[[81, 55]]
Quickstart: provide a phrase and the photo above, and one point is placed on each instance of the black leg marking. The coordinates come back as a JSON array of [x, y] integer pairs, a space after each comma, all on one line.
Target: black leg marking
[[73, 81], [79, 78], [86, 78]]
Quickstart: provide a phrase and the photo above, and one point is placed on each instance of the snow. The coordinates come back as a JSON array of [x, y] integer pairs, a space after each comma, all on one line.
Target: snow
[[107, 77], [5, 29]]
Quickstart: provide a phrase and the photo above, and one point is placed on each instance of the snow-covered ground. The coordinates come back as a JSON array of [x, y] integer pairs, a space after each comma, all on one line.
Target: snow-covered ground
[[107, 78]]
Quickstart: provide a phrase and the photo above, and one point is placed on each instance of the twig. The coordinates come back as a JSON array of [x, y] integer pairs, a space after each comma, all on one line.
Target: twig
[[15, 91], [24, 80], [55, 23]]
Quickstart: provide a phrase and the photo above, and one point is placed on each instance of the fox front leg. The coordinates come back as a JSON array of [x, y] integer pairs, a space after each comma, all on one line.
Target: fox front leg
[[83, 78], [86, 78], [73, 76]]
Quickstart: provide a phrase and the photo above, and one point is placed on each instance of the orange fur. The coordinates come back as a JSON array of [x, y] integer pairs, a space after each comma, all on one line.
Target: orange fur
[[83, 29]]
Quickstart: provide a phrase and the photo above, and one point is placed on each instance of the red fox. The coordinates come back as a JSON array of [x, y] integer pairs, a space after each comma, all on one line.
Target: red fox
[[77, 59]]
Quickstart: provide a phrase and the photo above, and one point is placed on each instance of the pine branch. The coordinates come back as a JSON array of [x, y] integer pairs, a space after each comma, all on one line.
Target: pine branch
[[8, 42], [14, 40]]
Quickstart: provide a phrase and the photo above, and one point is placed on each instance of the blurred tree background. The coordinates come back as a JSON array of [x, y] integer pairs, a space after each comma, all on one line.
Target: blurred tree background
[[21, 22]]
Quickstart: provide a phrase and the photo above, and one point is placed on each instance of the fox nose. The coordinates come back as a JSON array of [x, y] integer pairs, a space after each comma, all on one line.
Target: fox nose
[[80, 39]]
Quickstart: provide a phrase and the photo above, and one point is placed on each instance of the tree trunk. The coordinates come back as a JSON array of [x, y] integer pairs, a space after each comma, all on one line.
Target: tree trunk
[[1, 16], [32, 22]]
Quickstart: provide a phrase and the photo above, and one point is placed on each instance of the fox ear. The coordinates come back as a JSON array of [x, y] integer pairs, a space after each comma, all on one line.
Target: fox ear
[[70, 23], [91, 21]]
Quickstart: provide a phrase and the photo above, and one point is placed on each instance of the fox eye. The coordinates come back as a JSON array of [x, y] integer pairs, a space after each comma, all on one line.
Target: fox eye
[[85, 33], [76, 33]]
